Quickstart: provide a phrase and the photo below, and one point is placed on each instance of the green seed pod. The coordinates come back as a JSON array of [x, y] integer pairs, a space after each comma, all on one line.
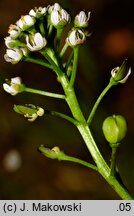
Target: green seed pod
[[114, 128]]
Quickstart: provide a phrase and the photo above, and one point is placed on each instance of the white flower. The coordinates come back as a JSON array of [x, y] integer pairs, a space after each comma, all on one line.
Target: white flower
[[76, 37], [25, 22], [35, 42], [55, 7], [9, 42], [59, 17], [14, 31], [38, 12], [13, 55], [13, 87], [81, 20]]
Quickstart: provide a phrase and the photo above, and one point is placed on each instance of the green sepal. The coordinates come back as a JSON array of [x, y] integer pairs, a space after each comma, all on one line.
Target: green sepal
[[27, 109], [53, 153], [120, 74]]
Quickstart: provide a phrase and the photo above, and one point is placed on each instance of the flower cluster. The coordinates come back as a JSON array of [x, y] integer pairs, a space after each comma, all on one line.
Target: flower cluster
[[32, 32], [24, 36], [78, 35]]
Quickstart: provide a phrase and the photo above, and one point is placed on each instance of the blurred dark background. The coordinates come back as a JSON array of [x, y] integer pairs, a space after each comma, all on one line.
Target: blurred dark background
[[32, 176]]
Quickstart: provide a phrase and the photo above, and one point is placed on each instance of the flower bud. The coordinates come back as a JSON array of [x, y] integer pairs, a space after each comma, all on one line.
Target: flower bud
[[14, 31], [13, 55], [9, 42], [55, 7], [25, 22], [29, 111], [35, 42], [81, 20], [38, 12], [14, 86], [114, 128], [121, 74], [59, 18], [53, 153], [76, 37]]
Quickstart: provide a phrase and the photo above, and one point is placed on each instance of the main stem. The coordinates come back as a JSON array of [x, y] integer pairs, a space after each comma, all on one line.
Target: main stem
[[85, 132]]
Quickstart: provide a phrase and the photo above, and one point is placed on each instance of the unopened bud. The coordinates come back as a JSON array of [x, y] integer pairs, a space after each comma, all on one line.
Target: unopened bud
[[53, 153], [81, 19], [76, 37]]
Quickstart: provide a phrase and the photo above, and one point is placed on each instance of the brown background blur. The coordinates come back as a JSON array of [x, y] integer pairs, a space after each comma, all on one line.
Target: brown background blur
[[112, 27]]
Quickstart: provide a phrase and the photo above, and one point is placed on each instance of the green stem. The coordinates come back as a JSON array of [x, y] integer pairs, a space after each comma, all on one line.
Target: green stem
[[44, 93], [93, 111], [79, 161], [58, 37], [113, 161], [38, 61], [63, 50], [61, 156], [85, 132], [75, 63], [42, 30], [53, 61], [69, 60], [103, 168], [71, 99], [50, 30], [61, 115]]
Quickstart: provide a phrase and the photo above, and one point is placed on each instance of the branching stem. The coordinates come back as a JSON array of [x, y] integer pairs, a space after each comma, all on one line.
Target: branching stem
[[61, 115], [38, 61], [58, 38], [75, 63], [79, 161], [93, 111], [44, 93], [63, 50]]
